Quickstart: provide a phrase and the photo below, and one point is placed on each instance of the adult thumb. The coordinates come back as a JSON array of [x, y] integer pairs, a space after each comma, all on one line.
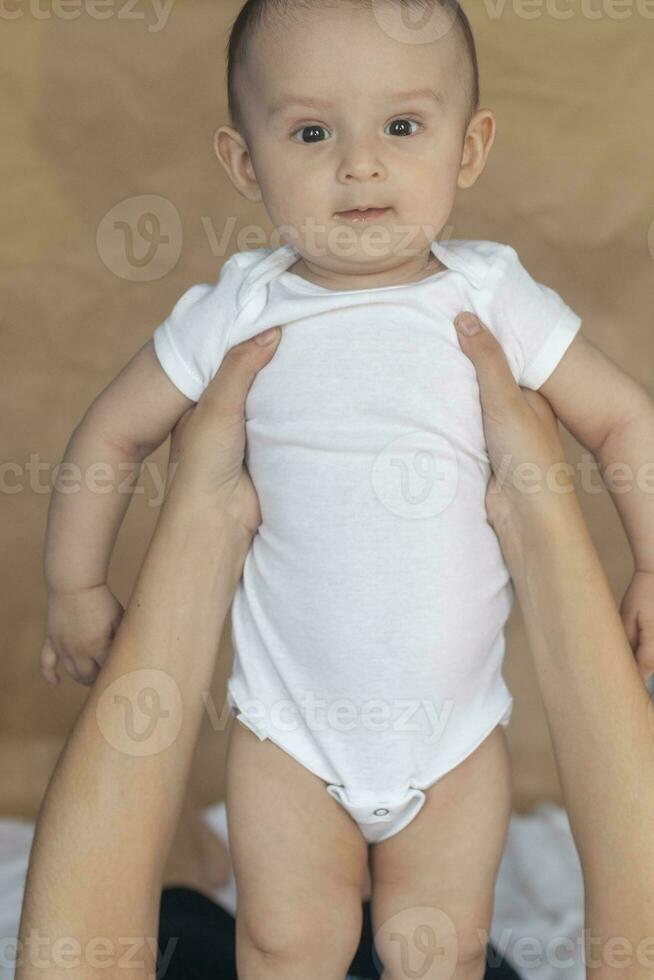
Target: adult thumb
[[229, 387], [497, 385], [267, 336]]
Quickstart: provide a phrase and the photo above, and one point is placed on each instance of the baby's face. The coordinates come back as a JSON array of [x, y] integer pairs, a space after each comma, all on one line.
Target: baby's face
[[361, 142]]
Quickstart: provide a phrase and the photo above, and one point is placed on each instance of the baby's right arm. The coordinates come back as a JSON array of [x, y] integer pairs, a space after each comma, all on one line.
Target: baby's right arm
[[127, 421]]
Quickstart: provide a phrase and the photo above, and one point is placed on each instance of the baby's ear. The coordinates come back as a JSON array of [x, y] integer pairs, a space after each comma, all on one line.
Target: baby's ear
[[479, 138], [233, 154]]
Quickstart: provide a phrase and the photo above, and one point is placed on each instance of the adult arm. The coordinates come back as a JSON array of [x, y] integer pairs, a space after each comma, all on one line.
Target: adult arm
[[111, 808], [601, 723], [599, 713]]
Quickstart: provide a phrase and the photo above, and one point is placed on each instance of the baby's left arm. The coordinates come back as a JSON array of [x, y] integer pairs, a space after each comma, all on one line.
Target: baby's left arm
[[612, 416]]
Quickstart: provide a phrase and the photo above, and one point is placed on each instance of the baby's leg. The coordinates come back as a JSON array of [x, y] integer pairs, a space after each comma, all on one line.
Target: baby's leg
[[300, 864], [433, 882]]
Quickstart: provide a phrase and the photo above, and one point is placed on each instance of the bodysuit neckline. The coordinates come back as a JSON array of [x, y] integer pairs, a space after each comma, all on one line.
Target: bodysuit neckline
[[298, 282], [456, 256]]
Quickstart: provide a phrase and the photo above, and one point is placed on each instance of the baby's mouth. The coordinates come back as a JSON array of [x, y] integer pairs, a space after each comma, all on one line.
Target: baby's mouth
[[366, 214]]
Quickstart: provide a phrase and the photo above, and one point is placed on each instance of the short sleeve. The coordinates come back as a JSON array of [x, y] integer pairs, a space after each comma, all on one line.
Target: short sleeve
[[534, 319], [193, 340]]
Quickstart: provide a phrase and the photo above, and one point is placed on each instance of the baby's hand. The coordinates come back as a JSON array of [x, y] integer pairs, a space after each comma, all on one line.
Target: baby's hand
[[637, 611], [80, 627]]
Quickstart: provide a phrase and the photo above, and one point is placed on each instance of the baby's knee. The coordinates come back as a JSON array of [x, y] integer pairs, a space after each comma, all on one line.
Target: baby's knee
[[300, 941], [423, 944], [274, 962]]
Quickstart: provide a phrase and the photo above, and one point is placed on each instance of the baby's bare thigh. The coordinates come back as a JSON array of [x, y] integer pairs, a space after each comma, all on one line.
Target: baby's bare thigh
[[299, 860], [447, 858]]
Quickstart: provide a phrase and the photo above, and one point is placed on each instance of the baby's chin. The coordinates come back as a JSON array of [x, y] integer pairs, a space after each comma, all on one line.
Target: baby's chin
[[368, 244], [390, 271]]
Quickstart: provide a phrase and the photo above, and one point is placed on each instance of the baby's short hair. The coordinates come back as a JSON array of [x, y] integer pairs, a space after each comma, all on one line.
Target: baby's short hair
[[254, 12]]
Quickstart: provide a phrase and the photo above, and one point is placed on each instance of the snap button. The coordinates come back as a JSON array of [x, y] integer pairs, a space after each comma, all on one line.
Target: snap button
[[381, 812]]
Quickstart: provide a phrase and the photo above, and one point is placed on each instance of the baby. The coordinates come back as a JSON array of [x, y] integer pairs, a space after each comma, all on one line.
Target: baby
[[368, 625]]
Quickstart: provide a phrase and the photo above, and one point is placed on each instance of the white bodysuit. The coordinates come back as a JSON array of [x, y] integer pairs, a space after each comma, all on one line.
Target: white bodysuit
[[368, 626]]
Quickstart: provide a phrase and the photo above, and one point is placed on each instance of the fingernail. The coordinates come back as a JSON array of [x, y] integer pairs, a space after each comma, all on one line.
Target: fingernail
[[468, 324], [267, 336]]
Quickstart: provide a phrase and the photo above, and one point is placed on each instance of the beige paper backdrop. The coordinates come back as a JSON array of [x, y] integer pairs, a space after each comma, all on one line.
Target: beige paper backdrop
[[97, 111]]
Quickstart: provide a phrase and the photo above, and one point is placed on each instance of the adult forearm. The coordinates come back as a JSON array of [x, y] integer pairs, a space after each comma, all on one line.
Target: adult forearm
[[126, 762], [92, 492], [599, 715]]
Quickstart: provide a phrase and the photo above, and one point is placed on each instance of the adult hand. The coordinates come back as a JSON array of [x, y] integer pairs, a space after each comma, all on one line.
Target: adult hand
[[206, 462], [522, 433]]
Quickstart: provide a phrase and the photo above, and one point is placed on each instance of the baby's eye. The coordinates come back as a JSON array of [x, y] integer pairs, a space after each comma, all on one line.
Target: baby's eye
[[403, 121], [312, 129]]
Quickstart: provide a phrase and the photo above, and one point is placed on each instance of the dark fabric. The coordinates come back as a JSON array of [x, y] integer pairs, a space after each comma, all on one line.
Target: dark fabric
[[197, 942]]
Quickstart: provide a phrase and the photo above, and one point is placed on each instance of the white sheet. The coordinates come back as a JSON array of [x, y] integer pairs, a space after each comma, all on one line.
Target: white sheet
[[538, 914]]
